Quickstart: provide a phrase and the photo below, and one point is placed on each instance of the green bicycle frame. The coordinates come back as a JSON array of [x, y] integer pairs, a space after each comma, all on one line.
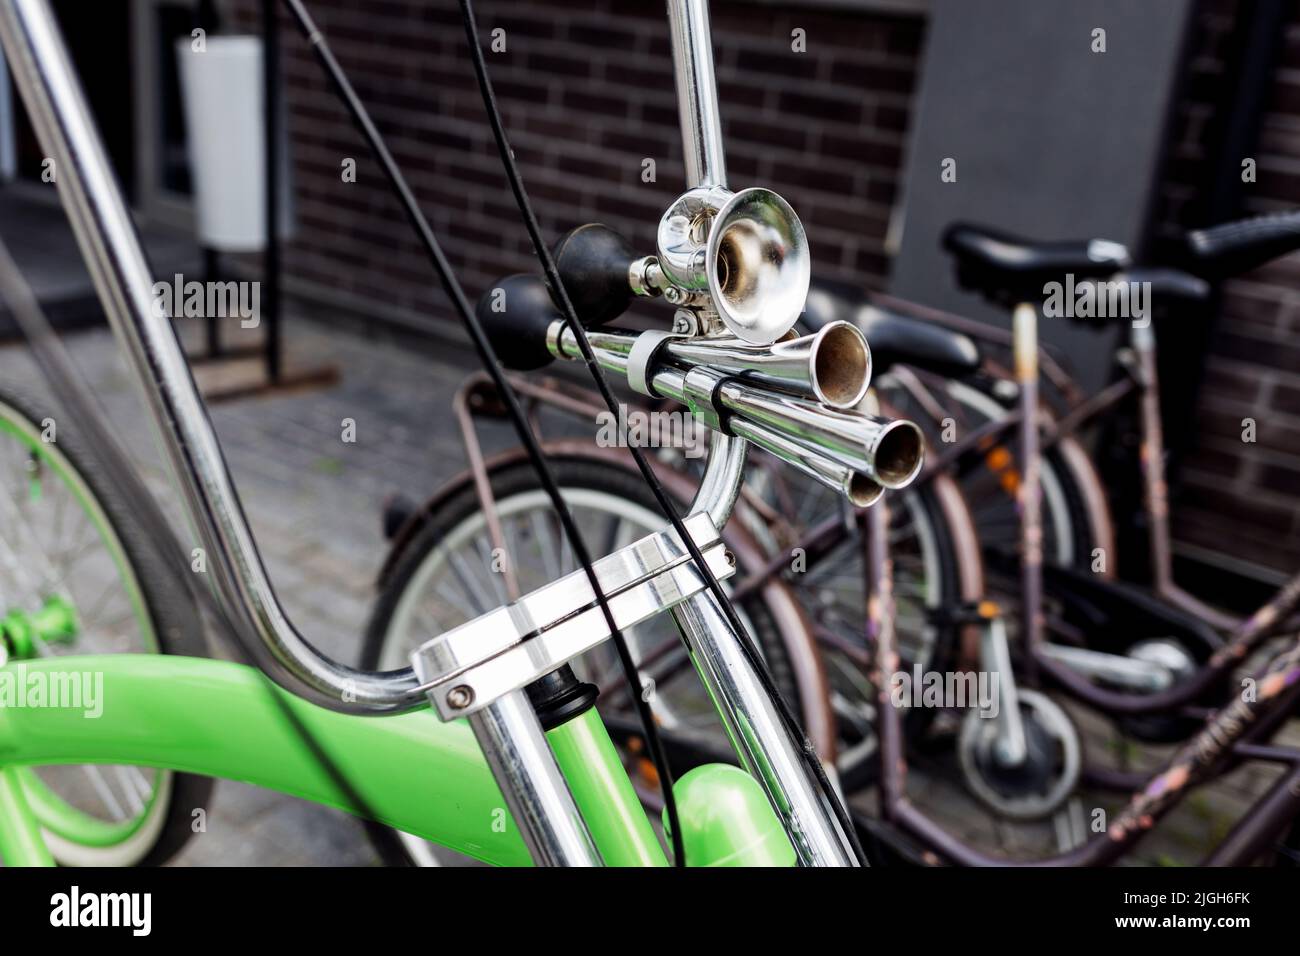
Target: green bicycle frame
[[411, 772]]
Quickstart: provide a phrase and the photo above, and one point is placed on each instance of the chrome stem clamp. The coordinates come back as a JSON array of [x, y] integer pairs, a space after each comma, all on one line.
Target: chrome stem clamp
[[479, 662]]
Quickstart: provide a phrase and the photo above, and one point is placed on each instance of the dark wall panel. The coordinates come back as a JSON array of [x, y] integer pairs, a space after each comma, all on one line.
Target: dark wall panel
[[1050, 138]]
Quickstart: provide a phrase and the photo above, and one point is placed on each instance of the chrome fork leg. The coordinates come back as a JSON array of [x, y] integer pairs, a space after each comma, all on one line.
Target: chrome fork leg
[[539, 800], [764, 745]]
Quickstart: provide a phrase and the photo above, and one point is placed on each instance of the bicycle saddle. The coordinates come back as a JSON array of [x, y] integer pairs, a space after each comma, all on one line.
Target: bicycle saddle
[[893, 338], [1236, 247], [1008, 269]]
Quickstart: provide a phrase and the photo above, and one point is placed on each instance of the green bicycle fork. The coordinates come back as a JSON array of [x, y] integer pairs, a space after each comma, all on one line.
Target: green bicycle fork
[[603, 793]]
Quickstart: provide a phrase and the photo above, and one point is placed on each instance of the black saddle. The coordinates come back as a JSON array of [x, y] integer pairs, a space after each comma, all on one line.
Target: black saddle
[[1009, 270], [894, 339]]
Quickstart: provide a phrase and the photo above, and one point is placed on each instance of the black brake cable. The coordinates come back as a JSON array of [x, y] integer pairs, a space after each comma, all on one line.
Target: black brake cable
[[487, 356], [553, 279]]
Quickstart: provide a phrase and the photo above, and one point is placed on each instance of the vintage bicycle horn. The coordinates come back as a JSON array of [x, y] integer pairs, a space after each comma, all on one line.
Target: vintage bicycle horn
[[747, 250], [746, 253]]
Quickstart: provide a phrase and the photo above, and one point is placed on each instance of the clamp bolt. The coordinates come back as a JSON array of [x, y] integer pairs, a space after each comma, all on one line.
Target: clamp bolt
[[460, 696]]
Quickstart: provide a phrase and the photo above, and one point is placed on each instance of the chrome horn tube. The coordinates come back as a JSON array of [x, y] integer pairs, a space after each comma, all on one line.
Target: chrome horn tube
[[858, 487], [699, 389], [831, 366], [890, 450], [843, 449]]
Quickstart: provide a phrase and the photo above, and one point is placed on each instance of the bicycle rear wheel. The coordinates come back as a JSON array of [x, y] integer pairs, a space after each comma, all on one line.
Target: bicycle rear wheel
[[936, 568], [78, 578], [1076, 518]]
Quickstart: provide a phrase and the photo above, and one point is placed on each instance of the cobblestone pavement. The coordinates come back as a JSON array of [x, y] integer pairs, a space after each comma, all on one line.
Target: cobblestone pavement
[[314, 502]]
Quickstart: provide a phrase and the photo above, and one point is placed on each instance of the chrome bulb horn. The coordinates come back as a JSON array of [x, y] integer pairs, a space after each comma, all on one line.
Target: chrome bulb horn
[[746, 250]]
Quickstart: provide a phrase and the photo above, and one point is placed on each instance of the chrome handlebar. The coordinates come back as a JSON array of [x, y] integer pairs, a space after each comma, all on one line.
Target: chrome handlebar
[[111, 247]]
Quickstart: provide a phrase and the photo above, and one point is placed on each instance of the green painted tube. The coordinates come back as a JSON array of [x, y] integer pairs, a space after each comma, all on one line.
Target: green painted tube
[[604, 794], [412, 772], [728, 821], [20, 833]]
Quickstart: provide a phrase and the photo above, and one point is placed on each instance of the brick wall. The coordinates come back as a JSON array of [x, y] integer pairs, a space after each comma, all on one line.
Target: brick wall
[[586, 89], [587, 93], [1231, 496]]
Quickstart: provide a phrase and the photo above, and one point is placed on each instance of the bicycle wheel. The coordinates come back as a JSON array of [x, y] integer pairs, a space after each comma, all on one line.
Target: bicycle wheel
[[444, 577], [1076, 518], [936, 565], [79, 579]]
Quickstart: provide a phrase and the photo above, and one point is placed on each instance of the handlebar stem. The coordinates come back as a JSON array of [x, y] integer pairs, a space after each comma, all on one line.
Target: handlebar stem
[[735, 687], [697, 92], [706, 165]]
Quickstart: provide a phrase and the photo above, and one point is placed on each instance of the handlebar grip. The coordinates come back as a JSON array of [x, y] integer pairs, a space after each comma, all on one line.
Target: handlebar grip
[[1236, 247], [593, 263], [1167, 285], [516, 313]]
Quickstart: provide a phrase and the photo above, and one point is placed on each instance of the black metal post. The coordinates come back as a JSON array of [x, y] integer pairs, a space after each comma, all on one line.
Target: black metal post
[[270, 298]]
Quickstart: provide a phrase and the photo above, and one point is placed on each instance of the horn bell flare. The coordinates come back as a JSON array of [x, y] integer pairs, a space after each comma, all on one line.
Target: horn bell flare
[[758, 265]]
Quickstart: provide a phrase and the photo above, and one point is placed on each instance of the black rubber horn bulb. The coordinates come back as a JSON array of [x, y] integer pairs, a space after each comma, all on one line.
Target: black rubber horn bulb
[[593, 261], [516, 313]]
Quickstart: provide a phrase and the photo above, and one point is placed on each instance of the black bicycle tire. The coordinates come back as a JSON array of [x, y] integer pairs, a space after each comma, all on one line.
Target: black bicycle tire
[[175, 619]]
